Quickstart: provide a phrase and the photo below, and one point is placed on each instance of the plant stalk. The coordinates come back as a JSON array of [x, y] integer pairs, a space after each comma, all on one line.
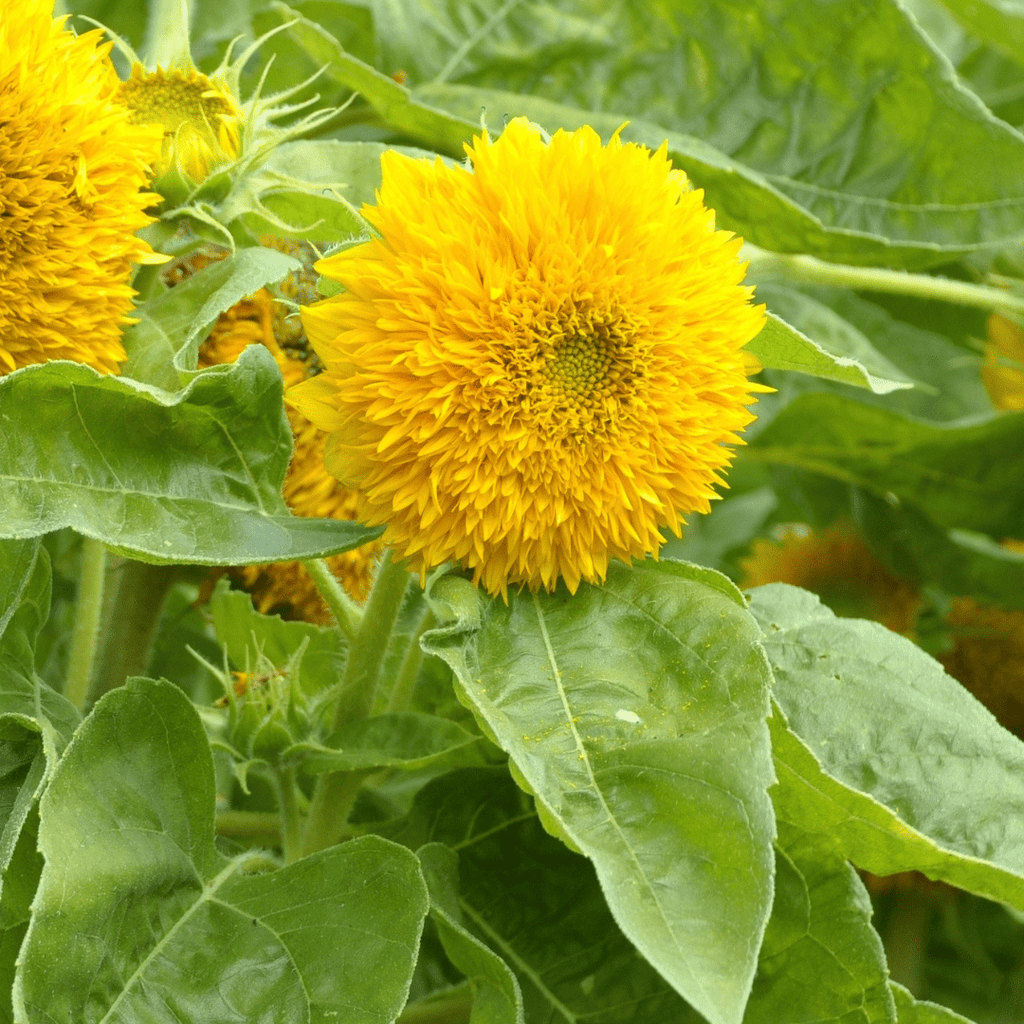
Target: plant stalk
[[455, 1008], [137, 592], [409, 672], [336, 792], [291, 824], [766, 265], [345, 611], [249, 825], [88, 609]]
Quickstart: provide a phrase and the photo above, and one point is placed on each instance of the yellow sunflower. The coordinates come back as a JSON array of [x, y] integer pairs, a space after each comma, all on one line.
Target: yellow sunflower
[[1003, 370], [837, 566], [308, 489], [538, 363], [199, 116], [73, 169]]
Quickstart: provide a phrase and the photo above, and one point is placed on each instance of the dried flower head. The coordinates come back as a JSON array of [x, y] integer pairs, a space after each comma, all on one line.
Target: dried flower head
[[73, 174], [837, 566], [538, 363]]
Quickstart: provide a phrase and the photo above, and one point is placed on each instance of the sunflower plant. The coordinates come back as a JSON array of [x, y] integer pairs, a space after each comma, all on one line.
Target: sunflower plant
[[511, 513]]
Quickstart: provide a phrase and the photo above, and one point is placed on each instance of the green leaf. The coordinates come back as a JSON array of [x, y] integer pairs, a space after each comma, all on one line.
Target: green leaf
[[138, 917], [403, 739], [312, 189], [915, 1011], [959, 475], [815, 340], [999, 22], [496, 995], [959, 561], [192, 477], [535, 904], [393, 102], [246, 634], [162, 347], [635, 712], [821, 959], [877, 747], [853, 120]]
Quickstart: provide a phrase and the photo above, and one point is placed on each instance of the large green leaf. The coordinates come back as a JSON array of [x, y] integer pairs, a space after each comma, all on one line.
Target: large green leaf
[[999, 22], [496, 995], [959, 474], [821, 959], [194, 476], [877, 747], [635, 712], [533, 903], [915, 1011], [958, 561], [138, 917], [162, 346], [401, 739], [845, 110]]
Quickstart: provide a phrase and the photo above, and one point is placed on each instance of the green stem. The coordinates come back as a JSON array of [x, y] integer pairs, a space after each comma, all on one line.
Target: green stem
[[454, 1008], [366, 653], [808, 270], [291, 824], [333, 799], [906, 939], [249, 825], [137, 592], [409, 672], [336, 792], [88, 608], [345, 611]]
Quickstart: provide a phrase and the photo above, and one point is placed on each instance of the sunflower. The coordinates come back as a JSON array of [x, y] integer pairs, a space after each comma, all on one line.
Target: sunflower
[[538, 363], [73, 169], [1003, 370], [837, 566], [199, 116], [308, 489]]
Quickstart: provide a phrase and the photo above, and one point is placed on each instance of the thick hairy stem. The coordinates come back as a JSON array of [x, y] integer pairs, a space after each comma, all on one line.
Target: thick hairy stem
[[336, 792], [136, 598], [345, 611], [88, 609], [766, 266]]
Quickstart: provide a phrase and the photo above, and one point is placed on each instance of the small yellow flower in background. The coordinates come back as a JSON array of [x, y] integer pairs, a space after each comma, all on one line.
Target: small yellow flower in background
[[538, 364], [308, 489], [837, 566], [200, 117], [1003, 371], [73, 170]]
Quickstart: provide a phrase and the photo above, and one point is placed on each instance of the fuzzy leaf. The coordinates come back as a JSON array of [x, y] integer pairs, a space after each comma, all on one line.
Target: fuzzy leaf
[[821, 960], [814, 340], [958, 475], [878, 748], [547, 920], [851, 119], [191, 477], [138, 917], [406, 739], [162, 346], [635, 712]]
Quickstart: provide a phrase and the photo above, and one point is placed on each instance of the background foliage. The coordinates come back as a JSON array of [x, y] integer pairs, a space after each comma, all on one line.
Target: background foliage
[[658, 801]]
